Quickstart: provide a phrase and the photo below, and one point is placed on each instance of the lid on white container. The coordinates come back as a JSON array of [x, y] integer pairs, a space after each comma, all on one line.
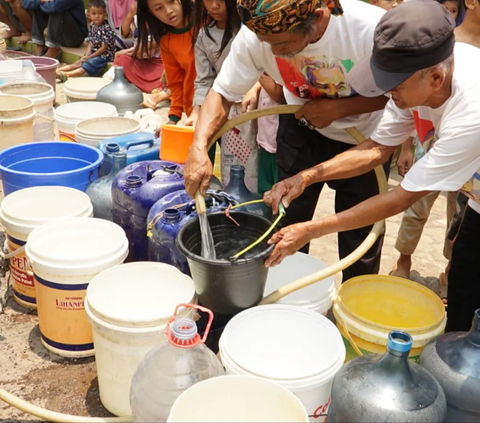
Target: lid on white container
[[295, 267], [108, 126], [79, 246], [10, 67], [142, 294], [83, 110], [24, 210], [283, 342], [85, 86]]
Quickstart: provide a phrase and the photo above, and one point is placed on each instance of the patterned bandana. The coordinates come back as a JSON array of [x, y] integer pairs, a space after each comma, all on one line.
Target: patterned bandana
[[268, 17]]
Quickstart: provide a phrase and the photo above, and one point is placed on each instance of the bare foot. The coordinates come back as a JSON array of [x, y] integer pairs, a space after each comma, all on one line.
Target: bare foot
[[12, 32], [24, 38], [403, 267], [39, 50], [151, 100]]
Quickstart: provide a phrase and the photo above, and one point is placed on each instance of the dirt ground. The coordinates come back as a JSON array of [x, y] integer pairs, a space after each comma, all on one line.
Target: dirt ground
[[69, 386]]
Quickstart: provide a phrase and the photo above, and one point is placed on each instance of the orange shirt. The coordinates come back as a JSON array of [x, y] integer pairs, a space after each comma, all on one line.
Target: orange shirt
[[179, 61]]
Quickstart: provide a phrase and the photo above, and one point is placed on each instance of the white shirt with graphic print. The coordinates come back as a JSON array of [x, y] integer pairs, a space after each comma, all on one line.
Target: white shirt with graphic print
[[452, 161], [318, 71]]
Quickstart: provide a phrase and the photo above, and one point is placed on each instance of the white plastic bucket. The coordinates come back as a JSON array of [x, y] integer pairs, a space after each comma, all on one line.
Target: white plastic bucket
[[16, 120], [24, 210], [129, 307], [237, 399], [83, 89], [94, 131], [297, 348], [43, 98], [9, 70], [317, 297], [69, 115], [65, 256]]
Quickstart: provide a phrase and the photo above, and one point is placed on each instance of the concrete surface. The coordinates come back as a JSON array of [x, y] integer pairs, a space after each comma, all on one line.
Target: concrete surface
[[70, 386]]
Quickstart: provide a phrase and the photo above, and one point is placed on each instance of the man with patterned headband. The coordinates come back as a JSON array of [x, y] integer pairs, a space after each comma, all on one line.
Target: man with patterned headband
[[308, 46]]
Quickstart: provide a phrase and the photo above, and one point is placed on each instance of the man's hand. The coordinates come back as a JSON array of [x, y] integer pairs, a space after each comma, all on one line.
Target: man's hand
[[250, 101], [198, 171], [289, 240], [320, 112], [405, 160], [285, 191]]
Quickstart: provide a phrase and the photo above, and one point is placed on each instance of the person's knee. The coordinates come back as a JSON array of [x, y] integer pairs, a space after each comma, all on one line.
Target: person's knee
[[17, 6]]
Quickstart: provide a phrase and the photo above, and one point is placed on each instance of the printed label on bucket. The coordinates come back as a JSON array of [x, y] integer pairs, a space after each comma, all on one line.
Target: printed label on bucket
[[20, 273], [65, 136], [61, 314], [320, 414]]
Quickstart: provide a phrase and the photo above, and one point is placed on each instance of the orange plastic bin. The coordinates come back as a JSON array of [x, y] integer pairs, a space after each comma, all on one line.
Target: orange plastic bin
[[176, 142]]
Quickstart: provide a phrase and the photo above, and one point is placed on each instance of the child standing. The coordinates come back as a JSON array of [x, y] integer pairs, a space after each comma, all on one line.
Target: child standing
[[169, 24], [271, 94], [101, 46]]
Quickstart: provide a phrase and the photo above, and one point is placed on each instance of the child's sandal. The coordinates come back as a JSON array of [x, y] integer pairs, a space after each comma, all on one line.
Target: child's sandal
[[62, 77]]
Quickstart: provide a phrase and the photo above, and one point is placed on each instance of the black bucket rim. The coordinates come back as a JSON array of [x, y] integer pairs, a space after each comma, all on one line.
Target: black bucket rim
[[241, 261]]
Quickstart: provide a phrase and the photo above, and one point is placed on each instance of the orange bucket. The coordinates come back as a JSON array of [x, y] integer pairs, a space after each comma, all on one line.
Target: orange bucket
[[176, 142]]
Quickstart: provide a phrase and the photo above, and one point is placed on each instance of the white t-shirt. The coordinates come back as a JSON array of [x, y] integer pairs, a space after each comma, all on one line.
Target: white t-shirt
[[319, 71], [452, 144]]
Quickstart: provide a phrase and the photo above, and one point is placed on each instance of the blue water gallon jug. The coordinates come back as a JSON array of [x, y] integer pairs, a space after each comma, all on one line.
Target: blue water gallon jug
[[138, 147], [135, 190]]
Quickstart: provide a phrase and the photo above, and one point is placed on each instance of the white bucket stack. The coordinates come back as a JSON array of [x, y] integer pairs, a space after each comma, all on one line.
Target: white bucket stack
[[237, 399], [317, 297], [129, 307], [43, 98], [69, 115], [16, 120], [297, 348], [94, 131], [65, 256], [24, 210], [83, 89]]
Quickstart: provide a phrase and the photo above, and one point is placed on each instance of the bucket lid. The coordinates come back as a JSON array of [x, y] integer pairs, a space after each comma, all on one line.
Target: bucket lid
[[24, 210], [142, 294], [108, 126], [83, 110], [283, 343], [295, 267], [88, 85], [79, 246]]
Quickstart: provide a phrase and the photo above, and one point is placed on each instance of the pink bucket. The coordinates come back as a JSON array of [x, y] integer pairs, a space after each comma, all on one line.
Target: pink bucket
[[45, 66]]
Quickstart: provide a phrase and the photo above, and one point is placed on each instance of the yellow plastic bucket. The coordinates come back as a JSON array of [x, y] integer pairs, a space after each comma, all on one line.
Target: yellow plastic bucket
[[368, 308]]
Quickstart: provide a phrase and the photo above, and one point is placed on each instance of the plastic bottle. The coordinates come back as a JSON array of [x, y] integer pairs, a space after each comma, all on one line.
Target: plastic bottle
[[388, 388], [100, 191], [237, 189], [171, 368], [29, 74], [454, 360]]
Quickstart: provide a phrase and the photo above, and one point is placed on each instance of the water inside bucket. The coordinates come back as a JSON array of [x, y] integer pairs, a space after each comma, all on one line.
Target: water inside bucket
[[49, 164]]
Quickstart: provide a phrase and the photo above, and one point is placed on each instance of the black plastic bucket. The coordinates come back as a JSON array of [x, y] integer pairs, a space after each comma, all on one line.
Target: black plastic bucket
[[221, 285]]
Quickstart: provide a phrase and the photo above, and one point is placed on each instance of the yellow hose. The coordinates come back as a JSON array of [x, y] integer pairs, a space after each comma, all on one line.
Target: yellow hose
[[347, 261], [272, 298]]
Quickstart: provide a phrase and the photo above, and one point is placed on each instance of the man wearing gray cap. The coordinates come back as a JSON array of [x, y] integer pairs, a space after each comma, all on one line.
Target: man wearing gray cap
[[429, 79]]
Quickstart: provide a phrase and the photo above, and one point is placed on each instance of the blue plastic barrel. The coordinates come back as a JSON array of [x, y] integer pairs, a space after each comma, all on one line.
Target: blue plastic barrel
[[49, 163]]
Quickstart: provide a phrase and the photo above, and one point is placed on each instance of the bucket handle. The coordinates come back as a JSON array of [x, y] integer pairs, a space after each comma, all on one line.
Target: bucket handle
[[39, 115], [349, 336], [196, 307], [13, 253]]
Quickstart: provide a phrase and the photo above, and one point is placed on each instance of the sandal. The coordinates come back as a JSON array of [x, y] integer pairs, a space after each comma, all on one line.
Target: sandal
[[62, 77]]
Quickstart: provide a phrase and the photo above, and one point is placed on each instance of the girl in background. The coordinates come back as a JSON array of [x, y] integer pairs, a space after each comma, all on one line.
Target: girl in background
[[168, 23], [454, 7], [217, 22]]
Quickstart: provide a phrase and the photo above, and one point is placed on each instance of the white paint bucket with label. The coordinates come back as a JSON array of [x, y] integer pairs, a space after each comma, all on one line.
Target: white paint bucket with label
[[129, 307], [237, 399], [24, 210], [317, 297], [65, 256], [297, 348]]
